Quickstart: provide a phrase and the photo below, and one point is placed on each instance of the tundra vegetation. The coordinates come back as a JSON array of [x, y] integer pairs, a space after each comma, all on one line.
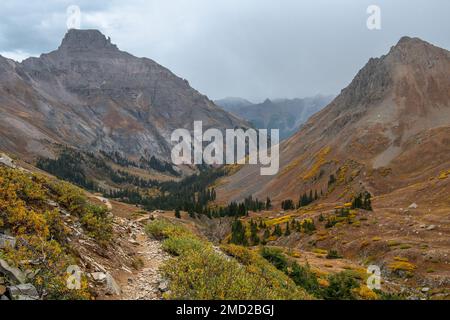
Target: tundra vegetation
[[34, 210], [198, 270]]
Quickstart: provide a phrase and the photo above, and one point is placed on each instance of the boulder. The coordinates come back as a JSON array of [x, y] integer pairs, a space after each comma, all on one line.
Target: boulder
[[413, 206], [99, 276], [23, 292], [112, 288], [7, 161], [133, 242], [13, 273], [7, 241], [163, 286]]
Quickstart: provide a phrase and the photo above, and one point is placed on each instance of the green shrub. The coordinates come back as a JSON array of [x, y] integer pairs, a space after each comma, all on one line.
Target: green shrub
[[180, 245], [305, 278], [340, 284], [97, 223], [161, 229], [275, 257], [340, 287], [333, 254], [388, 295]]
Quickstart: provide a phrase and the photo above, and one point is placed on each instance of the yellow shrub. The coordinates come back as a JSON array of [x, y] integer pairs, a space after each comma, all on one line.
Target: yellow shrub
[[323, 282], [364, 293], [400, 265], [41, 233], [319, 162], [320, 251]]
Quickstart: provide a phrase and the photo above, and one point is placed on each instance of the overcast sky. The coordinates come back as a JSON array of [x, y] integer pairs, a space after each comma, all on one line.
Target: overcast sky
[[247, 48]]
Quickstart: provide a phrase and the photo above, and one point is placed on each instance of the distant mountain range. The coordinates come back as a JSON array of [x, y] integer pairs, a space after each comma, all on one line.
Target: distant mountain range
[[284, 114]]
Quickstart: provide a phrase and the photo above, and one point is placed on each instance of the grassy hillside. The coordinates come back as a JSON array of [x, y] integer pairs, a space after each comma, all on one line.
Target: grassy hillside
[[40, 213], [200, 271]]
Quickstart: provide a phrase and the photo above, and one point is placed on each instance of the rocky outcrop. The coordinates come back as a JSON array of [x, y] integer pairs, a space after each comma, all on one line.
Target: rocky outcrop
[[23, 292], [14, 274], [13, 284], [7, 241]]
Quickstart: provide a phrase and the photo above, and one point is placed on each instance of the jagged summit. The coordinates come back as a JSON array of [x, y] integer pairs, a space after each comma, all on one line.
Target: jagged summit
[[415, 51], [407, 39], [86, 40]]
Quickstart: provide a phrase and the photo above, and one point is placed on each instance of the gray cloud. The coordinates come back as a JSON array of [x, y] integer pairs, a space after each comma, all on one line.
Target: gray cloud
[[249, 48]]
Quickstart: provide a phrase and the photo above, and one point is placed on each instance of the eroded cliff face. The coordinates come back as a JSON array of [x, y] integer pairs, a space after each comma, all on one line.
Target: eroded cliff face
[[90, 95]]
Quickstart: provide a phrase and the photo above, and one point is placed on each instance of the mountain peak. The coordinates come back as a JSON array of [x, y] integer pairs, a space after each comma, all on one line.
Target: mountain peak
[[415, 50], [406, 39], [86, 39], [407, 43]]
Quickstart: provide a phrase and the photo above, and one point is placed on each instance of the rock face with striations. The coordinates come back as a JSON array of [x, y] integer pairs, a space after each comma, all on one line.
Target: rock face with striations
[[90, 95]]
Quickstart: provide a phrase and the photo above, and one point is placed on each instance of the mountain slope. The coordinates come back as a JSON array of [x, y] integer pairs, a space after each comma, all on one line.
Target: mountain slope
[[388, 129], [90, 95]]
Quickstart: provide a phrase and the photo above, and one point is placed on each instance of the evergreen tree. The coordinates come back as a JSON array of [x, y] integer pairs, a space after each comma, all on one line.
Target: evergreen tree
[[367, 201], [287, 205], [268, 204], [238, 233], [277, 231], [254, 233], [287, 232], [331, 180]]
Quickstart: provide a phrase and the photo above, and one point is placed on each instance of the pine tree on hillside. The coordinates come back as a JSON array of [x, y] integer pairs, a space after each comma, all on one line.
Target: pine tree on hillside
[[287, 232], [238, 233], [254, 233], [277, 231], [268, 204]]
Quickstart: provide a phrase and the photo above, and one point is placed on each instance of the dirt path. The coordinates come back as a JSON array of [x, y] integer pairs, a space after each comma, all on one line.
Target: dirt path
[[105, 202], [147, 283]]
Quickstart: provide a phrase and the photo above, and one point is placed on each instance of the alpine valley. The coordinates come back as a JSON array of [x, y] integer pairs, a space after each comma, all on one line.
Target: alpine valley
[[359, 209]]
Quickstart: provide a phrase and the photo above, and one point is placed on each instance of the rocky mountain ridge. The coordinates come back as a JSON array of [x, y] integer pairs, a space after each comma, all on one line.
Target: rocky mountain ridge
[[90, 95]]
